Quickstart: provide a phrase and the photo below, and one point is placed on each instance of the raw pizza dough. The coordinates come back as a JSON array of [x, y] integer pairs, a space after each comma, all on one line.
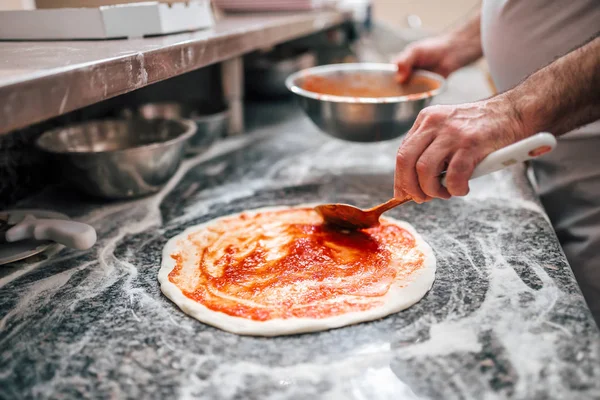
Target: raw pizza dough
[[290, 295]]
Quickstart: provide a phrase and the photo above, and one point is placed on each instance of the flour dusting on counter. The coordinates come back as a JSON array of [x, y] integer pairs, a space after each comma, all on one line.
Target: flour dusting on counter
[[504, 318]]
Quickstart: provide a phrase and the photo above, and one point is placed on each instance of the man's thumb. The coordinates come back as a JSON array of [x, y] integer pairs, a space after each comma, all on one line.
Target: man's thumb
[[404, 62]]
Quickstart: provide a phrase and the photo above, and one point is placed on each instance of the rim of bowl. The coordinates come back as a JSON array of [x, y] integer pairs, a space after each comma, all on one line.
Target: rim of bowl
[[290, 82], [222, 113], [187, 134], [211, 117]]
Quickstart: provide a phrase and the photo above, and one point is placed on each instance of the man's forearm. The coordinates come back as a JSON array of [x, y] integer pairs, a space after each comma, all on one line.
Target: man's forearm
[[468, 40], [562, 96]]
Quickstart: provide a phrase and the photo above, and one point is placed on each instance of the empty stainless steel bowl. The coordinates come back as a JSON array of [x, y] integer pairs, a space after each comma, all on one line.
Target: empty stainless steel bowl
[[362, 119], [211, 120], [119, 159]]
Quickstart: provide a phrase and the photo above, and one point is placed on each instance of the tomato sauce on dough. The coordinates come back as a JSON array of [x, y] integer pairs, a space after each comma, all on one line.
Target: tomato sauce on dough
[[287, 264]]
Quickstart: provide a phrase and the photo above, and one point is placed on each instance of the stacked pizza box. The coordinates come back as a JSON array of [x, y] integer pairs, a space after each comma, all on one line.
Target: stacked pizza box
[[273, 5], [105, 19], [17, 5], [92, 3]]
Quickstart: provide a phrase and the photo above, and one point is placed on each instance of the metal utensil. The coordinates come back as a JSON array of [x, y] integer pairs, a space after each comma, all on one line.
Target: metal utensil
[[350, 217], [211, 121], [76, 235], [362, 119], [119, 159]]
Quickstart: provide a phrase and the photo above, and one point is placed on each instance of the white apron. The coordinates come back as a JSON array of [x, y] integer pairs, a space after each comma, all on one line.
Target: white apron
[[520, 37]]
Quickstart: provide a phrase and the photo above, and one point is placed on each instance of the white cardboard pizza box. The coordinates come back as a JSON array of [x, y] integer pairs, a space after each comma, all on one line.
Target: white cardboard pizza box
[[17, 5], [91, 3], [106, 22]]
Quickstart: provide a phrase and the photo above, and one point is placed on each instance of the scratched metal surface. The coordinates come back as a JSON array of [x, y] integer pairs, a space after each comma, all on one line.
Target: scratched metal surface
[[41, 80]]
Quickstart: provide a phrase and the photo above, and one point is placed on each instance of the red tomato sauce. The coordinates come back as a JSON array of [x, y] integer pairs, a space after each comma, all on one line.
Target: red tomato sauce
[[368, 85], [321, 272]]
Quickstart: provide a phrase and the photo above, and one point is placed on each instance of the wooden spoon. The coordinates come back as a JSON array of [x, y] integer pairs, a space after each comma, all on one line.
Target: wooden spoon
[[349, 217]]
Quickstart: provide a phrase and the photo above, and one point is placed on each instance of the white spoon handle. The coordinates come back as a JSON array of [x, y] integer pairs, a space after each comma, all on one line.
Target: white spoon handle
[[526, 149], [76, 235]]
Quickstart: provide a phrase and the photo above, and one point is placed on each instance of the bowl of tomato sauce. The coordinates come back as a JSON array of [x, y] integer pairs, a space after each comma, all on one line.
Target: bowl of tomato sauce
[[363, 102]]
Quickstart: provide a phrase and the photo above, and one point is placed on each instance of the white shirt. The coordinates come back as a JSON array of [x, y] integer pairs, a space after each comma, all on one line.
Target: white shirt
[[521, 36]]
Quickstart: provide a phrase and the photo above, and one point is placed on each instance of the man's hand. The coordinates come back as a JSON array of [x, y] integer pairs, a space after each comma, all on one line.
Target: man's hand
[[443, 54], [559, 98], [435, 55], [453, 139]]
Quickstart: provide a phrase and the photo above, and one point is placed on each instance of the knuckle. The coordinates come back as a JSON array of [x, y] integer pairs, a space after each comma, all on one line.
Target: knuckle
[[436, 117], [457, 185], [428, 119], [433, 114], [427, 112], [423, 167], [457, 179], [452, 182], [437, 109], [461, 168], [421, 116], [400, 157], [468, 141]]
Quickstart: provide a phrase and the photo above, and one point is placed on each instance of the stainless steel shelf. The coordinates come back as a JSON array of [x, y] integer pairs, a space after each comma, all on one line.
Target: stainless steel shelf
[[41, 80]]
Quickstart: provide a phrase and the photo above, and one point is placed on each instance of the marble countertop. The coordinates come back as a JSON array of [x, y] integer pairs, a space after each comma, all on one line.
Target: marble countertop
[[504, 319]]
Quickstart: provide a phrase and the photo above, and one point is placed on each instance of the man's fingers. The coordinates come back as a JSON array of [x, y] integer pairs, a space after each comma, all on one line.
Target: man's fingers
[[406, 181], [459, 172], [405, 62], [430, 165]]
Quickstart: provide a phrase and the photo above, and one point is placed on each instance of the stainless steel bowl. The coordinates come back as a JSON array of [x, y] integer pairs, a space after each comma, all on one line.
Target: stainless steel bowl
[[265, 75], [211, 121], [361, 119], [119, 159]]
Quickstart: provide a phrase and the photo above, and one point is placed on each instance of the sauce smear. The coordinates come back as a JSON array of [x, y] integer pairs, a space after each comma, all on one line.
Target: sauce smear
[[287, 264]]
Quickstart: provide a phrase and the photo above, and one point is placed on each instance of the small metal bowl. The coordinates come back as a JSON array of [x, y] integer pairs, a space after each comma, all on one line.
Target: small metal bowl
[[362, 119], [119, 159], [211, 121]]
